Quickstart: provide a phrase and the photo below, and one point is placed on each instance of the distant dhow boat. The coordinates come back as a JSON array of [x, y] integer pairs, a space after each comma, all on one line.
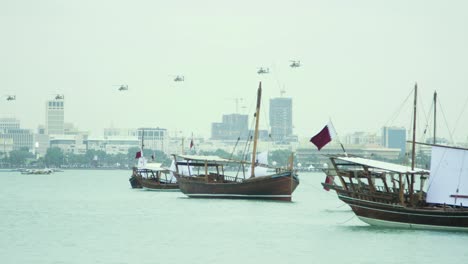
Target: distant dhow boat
[[37, 171], [209, 176], [153, 177]]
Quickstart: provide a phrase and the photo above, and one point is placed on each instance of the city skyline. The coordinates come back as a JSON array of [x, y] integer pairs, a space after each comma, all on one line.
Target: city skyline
[[180, 133], [359, 62]]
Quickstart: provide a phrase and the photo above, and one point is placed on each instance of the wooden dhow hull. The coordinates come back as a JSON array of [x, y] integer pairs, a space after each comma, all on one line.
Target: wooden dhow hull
[[395, 215], [272, 187], [134, 182], [151, 184]]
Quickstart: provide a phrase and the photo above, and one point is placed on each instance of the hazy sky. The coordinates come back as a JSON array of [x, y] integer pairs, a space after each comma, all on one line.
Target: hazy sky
[[360, 60]]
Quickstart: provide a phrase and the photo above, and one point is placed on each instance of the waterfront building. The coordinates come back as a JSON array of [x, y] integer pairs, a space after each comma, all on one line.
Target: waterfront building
[[55, 113], [6, 145], [153, 138], [76, 144], [119, 132], [307, 154], [281, 119], [232, 127], [113, 145], [394, 137], [10, 130], [362, 138]]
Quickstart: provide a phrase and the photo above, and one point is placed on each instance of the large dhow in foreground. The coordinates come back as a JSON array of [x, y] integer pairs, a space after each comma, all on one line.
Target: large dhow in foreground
[[216, 177], [391, 195]]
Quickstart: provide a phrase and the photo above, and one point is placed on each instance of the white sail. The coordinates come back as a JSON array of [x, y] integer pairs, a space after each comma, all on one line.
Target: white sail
[[183, 169], [141, 163], [262, 158], [448, 180]]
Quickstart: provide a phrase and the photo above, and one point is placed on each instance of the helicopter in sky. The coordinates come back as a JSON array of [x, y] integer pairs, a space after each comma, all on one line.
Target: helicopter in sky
[[262, 70], [10, 97], [59, 97], [123, 87], [295, 64], [179, 78]]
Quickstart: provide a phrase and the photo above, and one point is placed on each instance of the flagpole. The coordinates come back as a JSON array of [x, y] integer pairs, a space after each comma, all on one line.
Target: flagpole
[[337, 137]]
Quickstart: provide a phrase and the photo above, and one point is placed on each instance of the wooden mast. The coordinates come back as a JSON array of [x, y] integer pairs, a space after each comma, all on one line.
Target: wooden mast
[[413, 152], [257, 113], [435, 119], [142, 141]]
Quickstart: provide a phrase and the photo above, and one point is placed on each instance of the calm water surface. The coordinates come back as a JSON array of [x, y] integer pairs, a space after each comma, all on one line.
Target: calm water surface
[[95, 217]]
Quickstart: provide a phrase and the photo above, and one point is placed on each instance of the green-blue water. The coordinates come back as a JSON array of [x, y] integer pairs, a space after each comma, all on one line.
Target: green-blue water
[[95, 217]]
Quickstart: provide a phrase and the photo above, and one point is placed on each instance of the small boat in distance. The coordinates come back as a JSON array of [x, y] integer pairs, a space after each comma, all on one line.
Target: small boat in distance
[[153, 177], [37, 171], [216, 177]]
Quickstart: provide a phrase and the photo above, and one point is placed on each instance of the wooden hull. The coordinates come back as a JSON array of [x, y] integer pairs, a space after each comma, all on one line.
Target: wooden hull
[[273, 187], [395, 215], [135, 183], [152, 184]]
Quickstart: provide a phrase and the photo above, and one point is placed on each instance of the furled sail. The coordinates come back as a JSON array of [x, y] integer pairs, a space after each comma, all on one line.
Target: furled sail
[[448, 180]]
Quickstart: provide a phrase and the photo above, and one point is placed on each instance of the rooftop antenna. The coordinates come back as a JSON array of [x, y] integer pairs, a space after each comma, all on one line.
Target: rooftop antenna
[[282, 91]]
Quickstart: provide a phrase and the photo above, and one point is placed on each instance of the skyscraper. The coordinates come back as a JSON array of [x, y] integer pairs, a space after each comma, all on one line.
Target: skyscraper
[[10, 131], [55, 117], [232, 127], [281, 119], [394, 137]]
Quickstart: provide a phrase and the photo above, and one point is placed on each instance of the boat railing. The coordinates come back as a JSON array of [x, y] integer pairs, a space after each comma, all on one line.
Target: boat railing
[[380, 194], [214, 177]]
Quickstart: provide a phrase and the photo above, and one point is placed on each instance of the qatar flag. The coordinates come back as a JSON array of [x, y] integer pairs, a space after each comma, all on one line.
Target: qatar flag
[[324, 136], [138, 155]]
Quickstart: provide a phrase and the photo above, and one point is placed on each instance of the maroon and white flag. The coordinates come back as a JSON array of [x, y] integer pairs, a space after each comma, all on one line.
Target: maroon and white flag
[[324, 136], [138, 155]]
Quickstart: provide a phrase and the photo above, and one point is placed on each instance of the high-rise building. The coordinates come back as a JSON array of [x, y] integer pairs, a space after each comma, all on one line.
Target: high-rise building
[[21, 138], [281, 119], [153, 138], [232, 127], [55, 117], [394, 137], [9, 123]]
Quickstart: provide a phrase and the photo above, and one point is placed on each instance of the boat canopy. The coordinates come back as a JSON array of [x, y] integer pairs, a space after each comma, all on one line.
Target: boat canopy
[[154, 167], [382, 165], [151, 165], [202, 158]]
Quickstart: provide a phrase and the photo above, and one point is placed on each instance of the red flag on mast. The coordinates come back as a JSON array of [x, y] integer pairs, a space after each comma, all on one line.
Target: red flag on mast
[[138, 155], [324, 136]]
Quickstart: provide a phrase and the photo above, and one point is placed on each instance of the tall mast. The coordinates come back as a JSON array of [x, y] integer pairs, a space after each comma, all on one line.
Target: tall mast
[[435, 119], [142, 140], [413, 152], [257, 115]]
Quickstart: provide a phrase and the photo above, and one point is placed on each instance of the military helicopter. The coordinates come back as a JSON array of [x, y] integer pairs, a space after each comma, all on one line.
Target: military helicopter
[[295, 64], [179, 78], [262, 70], [10, 97], [123, 87], [59, 97]]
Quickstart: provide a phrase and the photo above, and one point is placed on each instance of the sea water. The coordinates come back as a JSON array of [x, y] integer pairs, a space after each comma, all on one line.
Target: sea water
[[93, 216]]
